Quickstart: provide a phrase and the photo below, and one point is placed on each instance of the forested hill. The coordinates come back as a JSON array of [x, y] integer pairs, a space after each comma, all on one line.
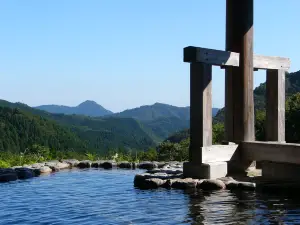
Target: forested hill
[[98, 134], [20, 130], [292, 86], [158, 111]]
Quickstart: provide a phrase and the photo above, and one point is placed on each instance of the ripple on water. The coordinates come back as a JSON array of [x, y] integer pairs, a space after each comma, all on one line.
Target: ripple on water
[[108, 197]]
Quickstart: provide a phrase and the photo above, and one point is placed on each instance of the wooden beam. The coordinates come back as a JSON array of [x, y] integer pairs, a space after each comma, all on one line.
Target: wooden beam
[[271, 151], [275, 105], [200, 111], [229, 104], [245, 130], [239, 115], [227, 58]]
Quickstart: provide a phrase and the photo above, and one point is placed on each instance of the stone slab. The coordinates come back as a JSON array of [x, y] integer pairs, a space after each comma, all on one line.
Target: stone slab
[[212, 170], [218, 153]]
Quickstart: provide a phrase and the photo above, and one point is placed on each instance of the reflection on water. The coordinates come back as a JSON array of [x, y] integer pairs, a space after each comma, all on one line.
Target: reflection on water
[[108, 197]]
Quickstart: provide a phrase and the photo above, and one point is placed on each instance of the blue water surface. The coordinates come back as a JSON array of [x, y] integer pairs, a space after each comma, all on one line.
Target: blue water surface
[[95, 196]]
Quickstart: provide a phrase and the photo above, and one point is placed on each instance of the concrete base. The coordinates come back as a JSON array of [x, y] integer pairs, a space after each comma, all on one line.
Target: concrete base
[[280, 171], [212, 170]]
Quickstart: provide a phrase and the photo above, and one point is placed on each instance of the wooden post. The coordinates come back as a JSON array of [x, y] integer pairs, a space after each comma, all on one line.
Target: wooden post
[[201, 110], [239, 103], [275, 105]]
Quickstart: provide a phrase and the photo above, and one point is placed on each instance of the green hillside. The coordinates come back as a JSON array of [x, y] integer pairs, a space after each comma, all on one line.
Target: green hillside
[[99, 134], [163, 127], [292, 86], [155, 111], [20, 130]]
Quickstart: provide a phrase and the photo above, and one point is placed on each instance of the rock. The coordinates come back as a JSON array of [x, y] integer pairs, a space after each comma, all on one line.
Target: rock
[[50, 164], [57, 166], [210, 184], [108, 164], [84, 164], [71, 162], [63, 165], [36, 172], [97, 164], [16, 167], [160, 164], [182, 183], [135, 165], [227, 180], [168, 171], [7, 175], [54, 168], [24, 173], [37, 165], [139, 179], [124, 165], [45, 169], [247, 185], [233, 184], [152, 183], [147, 165]]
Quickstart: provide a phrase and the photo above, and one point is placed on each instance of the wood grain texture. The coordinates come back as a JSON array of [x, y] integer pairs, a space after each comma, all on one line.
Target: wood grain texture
[[227, 58], [275, 105], [239, 103], [200, 111]]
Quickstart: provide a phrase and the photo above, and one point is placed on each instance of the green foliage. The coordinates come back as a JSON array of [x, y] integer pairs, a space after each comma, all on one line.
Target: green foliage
[[179, 136], [292, 86], [168, 151], [292, 118], [20, 130], [63, 132], [149, 155], [260, 118], [155, 111], [4, 164], [164, 126], [90, 156], [218, 133]]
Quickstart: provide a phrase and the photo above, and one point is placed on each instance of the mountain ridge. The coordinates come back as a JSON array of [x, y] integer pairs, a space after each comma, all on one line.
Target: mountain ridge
[[87, 108], [142, 113]]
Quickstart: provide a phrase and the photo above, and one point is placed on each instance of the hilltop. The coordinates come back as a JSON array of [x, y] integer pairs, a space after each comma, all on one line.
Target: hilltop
[[87, 108]]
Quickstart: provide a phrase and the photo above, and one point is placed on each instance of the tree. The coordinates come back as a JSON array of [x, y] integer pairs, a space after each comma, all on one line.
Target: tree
[[292, 118]]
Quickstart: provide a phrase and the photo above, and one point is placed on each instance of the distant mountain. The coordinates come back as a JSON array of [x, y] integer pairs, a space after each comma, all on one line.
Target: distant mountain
[[158, 110], [155, 111], [87, 108]]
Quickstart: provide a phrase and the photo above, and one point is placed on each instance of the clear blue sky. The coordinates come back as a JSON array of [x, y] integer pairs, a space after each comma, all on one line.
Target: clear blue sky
[[123, 54]]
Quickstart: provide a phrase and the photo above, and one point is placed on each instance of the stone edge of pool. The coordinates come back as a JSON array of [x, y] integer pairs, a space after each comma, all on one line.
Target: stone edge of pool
[[158, 175], [37, 169]]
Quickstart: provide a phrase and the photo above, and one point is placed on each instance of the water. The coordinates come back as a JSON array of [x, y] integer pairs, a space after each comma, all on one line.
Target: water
[[108, 197]]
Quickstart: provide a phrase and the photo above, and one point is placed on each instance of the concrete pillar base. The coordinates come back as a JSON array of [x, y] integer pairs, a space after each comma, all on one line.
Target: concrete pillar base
[[205, 170], [280, 171]]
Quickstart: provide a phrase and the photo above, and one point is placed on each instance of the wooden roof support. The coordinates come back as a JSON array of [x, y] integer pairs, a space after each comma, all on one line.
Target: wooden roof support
[[239, 105], [225, 59]]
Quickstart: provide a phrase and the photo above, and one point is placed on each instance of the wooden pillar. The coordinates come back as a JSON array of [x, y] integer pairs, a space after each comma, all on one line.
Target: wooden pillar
[[201, 110], [239, 103], [275, 105]]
